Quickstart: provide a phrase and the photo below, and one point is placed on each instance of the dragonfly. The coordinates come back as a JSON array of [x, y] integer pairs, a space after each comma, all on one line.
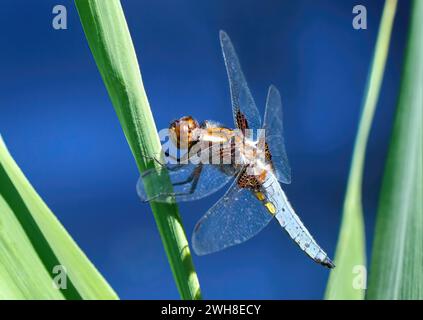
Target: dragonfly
[[255, 196]]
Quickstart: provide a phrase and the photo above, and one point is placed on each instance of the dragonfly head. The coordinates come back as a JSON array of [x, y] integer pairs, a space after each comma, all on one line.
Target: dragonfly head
[[182, 132]]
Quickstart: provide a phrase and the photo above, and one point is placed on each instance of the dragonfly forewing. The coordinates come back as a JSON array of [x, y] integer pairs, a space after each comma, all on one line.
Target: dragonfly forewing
[[243, 104]]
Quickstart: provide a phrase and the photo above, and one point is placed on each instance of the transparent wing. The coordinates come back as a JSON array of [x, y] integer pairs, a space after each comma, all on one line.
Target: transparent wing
[[189, 182], [273, 126], [244, 109], [235, 218]]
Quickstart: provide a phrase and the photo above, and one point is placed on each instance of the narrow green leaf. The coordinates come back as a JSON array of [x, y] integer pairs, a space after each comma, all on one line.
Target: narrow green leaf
[[397, 260], [111, 45], [350, 257], [33, 243]]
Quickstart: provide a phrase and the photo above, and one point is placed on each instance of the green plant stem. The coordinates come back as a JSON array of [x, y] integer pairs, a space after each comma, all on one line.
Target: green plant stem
[[111, 45], [350, 251], [397, 259]]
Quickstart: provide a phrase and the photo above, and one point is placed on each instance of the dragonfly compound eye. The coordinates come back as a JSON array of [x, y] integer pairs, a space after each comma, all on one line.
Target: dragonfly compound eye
[[181, 132]]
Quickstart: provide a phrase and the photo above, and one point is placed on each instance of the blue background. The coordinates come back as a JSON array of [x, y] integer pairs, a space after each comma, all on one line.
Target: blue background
[[59, 124]]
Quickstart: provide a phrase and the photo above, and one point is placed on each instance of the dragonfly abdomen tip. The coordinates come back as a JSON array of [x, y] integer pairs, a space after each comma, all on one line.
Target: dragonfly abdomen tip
[[328, 263]]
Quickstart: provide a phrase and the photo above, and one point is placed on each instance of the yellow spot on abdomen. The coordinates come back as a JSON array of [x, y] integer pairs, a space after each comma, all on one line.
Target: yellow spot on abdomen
[[270, 207], [260, 196]]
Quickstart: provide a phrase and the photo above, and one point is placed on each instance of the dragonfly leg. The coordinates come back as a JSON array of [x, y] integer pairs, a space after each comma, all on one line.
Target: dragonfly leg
[[164, 165], [163, 195], [151, 158], [193, 179], [196, 173], [176, 167], [181, 159]]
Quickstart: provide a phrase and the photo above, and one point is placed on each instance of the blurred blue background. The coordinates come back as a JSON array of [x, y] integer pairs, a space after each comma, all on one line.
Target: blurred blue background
[[60, 126]]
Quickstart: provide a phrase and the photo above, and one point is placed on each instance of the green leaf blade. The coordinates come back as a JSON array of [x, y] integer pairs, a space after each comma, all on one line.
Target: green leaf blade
[[350, 257], [110, 42], [396, 270], [33, 242]]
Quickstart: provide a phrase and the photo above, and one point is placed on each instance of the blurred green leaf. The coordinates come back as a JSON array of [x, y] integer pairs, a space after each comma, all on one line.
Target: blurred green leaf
[[111, 45], [350, 257], [33, 243], [397, 261]]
